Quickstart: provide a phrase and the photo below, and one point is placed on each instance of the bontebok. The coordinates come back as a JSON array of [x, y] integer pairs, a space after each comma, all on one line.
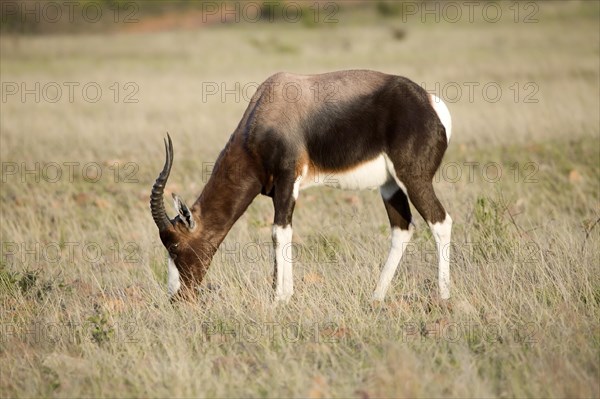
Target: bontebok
[[349, 129]]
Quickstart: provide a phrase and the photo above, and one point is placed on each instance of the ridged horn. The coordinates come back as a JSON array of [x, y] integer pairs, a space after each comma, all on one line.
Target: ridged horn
[[159, 214]]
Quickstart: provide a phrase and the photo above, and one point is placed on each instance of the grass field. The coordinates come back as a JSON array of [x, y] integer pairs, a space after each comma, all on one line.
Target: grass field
[[83, 301]]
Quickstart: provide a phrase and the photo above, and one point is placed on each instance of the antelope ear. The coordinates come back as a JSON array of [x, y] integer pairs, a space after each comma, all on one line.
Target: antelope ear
[[184, 212]]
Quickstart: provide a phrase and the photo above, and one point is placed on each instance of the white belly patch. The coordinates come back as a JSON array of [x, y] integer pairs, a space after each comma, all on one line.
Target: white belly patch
[[369, 175]]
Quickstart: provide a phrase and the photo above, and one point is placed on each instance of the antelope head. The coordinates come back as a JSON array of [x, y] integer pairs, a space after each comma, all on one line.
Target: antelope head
[[190, 251]]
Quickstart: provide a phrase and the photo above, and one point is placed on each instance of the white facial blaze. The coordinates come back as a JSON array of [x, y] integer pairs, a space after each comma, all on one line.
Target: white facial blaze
[[442, 232], [400, 239], [284, 280], [173, 283]]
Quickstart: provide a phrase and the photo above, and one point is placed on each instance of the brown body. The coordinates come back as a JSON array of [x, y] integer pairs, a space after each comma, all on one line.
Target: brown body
[[299, 127]]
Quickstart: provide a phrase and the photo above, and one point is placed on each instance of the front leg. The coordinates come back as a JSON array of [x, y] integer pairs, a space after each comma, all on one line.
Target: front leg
[[284, 200], [283, 279]]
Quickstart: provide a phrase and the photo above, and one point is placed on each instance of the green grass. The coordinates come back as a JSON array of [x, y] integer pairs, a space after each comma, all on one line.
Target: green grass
[[83, 297]]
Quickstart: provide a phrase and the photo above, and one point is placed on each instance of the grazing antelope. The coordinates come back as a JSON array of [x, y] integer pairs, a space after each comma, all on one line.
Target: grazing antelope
[[349, 129]]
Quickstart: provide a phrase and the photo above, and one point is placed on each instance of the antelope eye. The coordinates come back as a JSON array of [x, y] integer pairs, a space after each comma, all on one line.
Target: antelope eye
[[173, 247]]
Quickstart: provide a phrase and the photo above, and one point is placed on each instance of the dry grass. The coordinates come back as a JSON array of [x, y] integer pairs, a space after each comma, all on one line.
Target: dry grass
[[526, 284]]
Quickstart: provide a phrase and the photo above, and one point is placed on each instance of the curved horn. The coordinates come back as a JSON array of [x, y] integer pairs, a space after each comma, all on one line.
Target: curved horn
[[159, 214]]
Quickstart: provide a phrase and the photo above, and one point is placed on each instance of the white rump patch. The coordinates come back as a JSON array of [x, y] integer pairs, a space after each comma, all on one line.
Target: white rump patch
[[443, 113], [173, 283]]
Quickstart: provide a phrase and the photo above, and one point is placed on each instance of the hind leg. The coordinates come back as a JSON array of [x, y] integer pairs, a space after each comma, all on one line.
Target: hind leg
[[423, 197], [398, 210]]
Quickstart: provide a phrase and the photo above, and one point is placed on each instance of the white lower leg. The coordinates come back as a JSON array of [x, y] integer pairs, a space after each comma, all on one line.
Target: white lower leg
[[284, 281], [442, 232], [400, 239]]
